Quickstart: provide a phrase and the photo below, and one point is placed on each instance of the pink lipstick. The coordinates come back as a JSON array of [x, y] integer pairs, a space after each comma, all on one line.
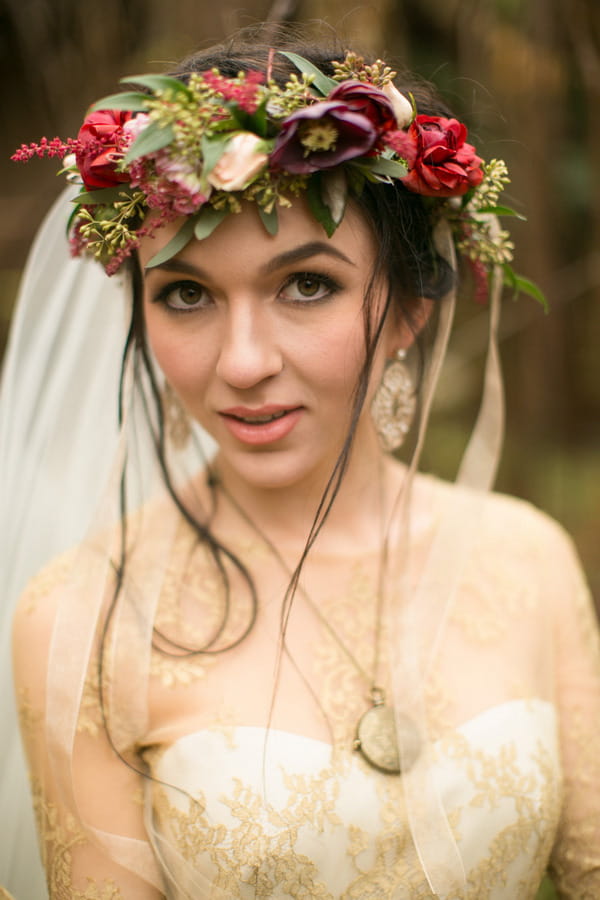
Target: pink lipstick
[[262, 425]]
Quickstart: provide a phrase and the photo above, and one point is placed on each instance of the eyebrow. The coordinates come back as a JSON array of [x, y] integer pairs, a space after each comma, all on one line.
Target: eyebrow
[[288, 257]]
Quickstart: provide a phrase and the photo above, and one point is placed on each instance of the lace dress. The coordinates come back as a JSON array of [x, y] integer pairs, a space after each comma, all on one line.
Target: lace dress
[[237, 790]]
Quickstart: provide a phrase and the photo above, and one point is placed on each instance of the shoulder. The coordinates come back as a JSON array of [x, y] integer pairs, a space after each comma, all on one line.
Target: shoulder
[[504, 531], [498, 516], [36, 609], [79, 582]]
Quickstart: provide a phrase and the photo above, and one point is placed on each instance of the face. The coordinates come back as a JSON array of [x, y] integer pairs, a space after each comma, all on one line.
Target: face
[[262, 338]]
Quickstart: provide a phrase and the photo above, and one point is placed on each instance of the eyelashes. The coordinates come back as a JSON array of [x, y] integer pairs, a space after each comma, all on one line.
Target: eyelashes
[[299, 289], [182, 296], [308, 287]]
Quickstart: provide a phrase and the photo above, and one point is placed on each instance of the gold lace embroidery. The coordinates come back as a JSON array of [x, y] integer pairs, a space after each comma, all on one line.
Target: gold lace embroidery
[[60, 835], [30, 718]]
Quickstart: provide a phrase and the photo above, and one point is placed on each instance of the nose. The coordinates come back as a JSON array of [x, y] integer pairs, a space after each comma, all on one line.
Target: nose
[[249, 352]]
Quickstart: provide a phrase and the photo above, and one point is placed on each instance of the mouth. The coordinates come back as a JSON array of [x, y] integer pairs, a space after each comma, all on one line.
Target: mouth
[[264, 425], [260, 419]]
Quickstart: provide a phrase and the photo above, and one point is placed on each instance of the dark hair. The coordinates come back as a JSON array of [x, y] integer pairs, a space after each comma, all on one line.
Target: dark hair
[[402, 224]]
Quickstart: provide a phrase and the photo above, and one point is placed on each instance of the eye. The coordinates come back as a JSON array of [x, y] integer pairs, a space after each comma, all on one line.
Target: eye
[[183, 296], [304, 287]]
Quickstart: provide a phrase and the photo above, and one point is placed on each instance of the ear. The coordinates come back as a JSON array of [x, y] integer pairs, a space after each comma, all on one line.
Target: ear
[[406, 323]]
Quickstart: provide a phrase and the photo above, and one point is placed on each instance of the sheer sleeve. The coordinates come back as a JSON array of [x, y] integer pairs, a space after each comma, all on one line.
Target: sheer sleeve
[[78, 865], [575, 861]]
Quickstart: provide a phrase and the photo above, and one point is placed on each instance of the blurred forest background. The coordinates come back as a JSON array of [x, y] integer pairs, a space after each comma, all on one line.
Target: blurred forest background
[[525, 75]]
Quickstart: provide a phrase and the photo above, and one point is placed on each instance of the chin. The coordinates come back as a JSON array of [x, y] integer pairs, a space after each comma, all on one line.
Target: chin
[[278, 470]]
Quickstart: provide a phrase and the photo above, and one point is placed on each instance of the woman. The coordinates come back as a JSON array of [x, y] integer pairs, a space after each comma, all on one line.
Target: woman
[[300, 669]]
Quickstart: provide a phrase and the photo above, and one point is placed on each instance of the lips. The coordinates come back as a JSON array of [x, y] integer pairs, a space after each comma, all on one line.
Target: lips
[[262, 425]]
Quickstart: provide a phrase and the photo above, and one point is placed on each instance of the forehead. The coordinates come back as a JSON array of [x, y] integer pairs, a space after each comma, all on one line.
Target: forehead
[[242, 239]]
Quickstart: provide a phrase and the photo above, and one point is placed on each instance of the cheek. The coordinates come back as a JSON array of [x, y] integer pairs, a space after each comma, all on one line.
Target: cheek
[[182, 360]]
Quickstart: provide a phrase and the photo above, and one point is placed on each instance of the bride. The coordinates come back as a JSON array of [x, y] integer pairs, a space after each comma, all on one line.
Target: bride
[[284, 663]]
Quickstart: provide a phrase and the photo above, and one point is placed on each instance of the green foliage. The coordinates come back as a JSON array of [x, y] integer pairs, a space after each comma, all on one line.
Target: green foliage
[[322, 82], [546, 890], [177, 243]]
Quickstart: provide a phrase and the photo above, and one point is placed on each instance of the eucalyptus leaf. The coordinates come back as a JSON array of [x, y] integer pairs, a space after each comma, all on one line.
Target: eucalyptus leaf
[[524, 286], [318, 207], [177, 243], [207, 221], [130, 100], [103, 195], [269, 220], [389, 167], [256, 122], [71, 219], [502, 211], [322, 82], [356, 179], [259, 120], [212, 150], [334, 193], [154, 137], [157, 83]]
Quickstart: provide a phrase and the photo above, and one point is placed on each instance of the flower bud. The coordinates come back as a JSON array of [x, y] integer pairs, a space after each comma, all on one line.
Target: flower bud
[[400, 104]]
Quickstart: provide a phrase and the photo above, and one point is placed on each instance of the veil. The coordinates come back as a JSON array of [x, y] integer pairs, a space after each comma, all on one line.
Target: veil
[[57, 399], [59, 437]]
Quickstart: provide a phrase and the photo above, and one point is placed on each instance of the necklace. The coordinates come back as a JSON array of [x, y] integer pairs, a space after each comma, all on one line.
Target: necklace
[[378, 729]]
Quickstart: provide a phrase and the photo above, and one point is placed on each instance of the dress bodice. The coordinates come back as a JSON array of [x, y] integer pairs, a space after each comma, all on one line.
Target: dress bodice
[[256, 814]]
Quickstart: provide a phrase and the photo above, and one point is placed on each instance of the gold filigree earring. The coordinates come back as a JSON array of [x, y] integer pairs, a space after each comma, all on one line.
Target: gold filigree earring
[[176, 419], [393, 406]]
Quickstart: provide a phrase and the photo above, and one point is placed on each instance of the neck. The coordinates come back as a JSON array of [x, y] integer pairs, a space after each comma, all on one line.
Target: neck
[[287, 514]]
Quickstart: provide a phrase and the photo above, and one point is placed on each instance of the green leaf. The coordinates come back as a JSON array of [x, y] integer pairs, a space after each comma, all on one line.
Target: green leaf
[[524, 286], [151, 139], [322, 82], [256, 122], [157, 83], [501, 211], [318, 207], [334, 193], [212, 150], [131, 100], [356, 179], [71, 219], [269, 220], [103, 195], [207, 221], [177, 243], [390, 167]]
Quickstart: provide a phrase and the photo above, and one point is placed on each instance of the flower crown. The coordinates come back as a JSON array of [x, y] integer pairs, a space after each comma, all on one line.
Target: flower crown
[[197, 149]]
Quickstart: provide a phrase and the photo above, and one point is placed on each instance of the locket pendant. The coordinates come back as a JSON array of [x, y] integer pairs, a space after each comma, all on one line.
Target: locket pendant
[[376, 737]]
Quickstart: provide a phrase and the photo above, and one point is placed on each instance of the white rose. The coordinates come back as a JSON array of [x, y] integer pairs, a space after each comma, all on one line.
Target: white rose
[[400, 104], [239, 164]]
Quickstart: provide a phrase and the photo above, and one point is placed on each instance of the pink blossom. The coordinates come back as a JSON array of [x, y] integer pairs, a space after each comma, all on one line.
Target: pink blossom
[[241, 162], [170, 184], [134, 127]]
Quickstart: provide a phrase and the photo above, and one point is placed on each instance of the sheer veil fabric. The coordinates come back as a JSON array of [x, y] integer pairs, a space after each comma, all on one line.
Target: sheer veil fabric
[[58, 401]]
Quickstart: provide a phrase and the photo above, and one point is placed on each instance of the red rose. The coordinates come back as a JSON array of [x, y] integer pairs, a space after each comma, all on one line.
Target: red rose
[[440, 162], [100, 146]]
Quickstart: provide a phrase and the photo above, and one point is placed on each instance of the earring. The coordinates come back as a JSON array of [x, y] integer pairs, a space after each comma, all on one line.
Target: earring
[[394, 403], [176, 419]]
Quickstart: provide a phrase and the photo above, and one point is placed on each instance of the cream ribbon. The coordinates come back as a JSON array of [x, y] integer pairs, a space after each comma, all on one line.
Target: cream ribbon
[[432, 599]]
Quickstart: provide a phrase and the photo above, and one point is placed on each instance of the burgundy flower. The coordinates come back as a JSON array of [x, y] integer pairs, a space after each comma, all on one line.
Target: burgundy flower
[[100, 146], [440, 162], [321, 136], [367, 100]]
